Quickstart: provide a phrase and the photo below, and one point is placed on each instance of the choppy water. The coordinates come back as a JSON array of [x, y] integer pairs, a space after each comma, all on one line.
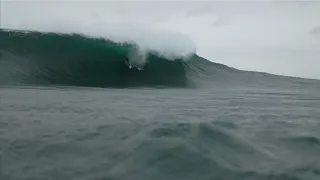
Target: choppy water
[[128, 134]]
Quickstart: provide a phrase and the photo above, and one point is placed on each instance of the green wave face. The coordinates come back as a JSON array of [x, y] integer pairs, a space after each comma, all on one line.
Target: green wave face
[[74, 60]]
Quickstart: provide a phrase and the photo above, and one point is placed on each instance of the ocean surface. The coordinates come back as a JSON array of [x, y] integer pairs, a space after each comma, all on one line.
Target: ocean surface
[[71, 109]]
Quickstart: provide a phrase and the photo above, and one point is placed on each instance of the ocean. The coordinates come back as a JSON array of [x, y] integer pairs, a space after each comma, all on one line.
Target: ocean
[[71, 109]]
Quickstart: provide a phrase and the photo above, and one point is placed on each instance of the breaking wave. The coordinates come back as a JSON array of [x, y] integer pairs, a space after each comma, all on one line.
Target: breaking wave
[[47, 58]]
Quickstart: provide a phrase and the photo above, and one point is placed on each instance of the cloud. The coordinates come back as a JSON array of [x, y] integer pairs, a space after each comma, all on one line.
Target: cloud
[[200, 10], [315, 30]]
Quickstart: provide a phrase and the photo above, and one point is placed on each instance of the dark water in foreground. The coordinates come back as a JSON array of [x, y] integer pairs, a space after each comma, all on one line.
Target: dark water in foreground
[[165, 134]]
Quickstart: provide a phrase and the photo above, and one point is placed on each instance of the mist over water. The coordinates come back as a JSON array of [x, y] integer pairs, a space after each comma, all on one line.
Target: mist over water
[[164, 42]]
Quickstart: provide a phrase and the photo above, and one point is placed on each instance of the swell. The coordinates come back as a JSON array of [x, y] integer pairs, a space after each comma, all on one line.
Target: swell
[[75, 60], [56, 59]]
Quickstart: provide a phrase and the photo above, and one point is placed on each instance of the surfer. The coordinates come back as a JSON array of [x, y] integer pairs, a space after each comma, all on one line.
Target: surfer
[[127, 62]]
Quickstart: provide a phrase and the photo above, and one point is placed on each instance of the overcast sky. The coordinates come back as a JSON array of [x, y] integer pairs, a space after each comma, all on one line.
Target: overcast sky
[[275, 37]]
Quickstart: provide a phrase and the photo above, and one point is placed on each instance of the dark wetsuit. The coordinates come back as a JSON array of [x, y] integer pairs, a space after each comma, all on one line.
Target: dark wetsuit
[[127, 62]]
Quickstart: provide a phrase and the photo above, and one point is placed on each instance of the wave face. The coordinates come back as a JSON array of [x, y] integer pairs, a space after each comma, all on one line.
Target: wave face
[[38, 58], [69, 59]]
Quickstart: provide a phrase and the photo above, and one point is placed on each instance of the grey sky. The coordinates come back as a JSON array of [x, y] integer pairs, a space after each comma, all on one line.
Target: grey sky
[[276, 37]]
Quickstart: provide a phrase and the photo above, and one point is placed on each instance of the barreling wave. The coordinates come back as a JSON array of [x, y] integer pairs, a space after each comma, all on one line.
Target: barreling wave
[[64, 59], [38, 58]]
